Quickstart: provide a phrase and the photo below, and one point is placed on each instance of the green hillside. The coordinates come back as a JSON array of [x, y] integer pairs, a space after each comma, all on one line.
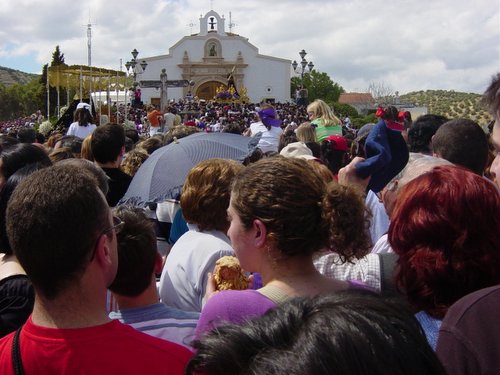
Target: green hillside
[[451, 104], [9, 77]]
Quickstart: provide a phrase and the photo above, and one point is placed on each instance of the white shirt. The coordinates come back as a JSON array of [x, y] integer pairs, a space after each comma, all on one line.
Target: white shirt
[[81, 131], [382, 246], [366, 269], [184, 277], [270, 139], [379, 222], [169, 120]]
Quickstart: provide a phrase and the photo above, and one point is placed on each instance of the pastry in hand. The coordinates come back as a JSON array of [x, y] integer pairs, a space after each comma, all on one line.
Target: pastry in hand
[[229, 275]]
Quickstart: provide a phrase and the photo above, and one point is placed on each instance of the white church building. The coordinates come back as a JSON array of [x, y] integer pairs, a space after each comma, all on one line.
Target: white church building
[[207, 58]]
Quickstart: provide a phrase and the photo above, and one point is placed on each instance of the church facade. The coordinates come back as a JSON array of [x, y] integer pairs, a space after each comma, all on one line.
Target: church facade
[[208, 58]]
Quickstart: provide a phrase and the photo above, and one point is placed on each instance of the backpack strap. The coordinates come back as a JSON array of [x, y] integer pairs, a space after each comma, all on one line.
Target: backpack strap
[[16, 354]]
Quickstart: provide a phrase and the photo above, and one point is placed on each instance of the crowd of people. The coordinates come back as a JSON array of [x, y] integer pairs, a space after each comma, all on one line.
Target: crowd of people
[[362, 253]]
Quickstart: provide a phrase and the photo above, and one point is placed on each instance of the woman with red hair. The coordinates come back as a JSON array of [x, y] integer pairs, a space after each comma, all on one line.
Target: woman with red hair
[[445, 230]]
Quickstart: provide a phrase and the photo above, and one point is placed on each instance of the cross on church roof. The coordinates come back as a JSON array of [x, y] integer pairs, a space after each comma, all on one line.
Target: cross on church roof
[[212, 23]]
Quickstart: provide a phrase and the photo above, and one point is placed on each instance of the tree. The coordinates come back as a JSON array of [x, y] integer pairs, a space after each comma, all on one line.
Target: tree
[[19, 100], [57, 59], [43, 92], [381, 92], [321, 86], [341, 109]]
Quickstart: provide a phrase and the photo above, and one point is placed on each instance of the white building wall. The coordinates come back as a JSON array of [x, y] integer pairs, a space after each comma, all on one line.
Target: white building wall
[[265, 77]]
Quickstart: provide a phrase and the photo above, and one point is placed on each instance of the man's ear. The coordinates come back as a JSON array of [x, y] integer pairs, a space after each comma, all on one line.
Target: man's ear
[[103, 250], [431, 146], [260, 230]]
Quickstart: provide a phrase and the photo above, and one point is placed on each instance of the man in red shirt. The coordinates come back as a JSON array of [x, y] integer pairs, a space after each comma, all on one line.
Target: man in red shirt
[[63, 233]]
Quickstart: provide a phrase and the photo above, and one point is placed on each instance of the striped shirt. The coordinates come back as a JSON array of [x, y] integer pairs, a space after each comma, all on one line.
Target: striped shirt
[[161, 321]]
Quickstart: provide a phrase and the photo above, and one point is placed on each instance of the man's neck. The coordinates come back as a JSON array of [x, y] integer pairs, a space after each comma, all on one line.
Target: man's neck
[[71, 309], [146, 298]]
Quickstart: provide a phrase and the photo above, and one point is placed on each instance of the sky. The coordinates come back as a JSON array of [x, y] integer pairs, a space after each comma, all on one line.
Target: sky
[[401, 45]]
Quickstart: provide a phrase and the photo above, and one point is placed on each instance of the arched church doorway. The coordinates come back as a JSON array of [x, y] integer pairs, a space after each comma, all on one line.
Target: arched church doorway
[[207, 90]]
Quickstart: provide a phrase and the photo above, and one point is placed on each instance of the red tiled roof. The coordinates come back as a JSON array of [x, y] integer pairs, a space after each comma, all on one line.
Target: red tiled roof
[[356, 98]]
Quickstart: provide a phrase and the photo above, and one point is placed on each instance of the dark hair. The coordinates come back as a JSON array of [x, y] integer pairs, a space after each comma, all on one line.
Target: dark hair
[[61, 153], [95, 172], [332, 158], [286, 138], [491, 97], [19, 155], [54, 218], [26, 135], [349, 332], [107, 142], [444, 228], [421, 132], [132, 134], [6, 141], [72, 142], [301, 212], [83, 117], [255, 155], [206, 192], [129, 144], [391, 113], [137, 252], [5, 195], [462, 142], [40, 138], [232, 127], [151, 144]]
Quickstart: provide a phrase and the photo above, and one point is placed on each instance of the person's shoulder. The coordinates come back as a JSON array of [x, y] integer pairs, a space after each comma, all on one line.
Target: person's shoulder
[[233, 306], [157, 312], [256, 125], [227, 297], [6, 343], [150, 343], [117, 174], [210, 240], [472, 305]]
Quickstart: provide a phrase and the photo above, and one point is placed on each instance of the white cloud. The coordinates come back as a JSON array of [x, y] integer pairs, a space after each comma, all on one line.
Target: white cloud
[[406, 44]]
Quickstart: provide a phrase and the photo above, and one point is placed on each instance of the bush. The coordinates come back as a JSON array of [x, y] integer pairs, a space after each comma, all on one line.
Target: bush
[[344, 109]]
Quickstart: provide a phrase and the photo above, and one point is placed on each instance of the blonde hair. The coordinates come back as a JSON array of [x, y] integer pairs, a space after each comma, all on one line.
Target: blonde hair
[[86, 152], [322, 111], [133, 161], [306, 133]]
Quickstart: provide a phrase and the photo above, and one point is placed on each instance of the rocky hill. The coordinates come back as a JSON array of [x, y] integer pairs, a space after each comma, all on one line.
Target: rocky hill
[[451, 104], [9, 77]]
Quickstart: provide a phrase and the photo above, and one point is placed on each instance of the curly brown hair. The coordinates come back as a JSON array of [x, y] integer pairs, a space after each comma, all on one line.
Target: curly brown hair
[[206, 192], [302, 213]]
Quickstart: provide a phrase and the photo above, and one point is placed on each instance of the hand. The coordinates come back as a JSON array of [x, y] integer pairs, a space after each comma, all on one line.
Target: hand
[[211, 288], [349, 177], [250, 282]]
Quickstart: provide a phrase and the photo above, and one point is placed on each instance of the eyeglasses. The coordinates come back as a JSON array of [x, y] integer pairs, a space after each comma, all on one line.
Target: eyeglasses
[[117, 225]]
